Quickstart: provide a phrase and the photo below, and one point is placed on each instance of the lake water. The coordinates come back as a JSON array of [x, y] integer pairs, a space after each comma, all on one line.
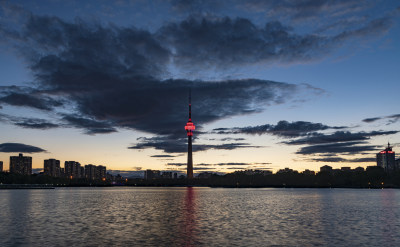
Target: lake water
[[129, 216]]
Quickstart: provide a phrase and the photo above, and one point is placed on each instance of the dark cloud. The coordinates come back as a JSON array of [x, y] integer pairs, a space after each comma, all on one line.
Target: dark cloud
[[36, 124], [304, 9], [90, 126], [370, 120], [226, 42], [176, 164], [163, 156], [232, 164], [19, 148], [343, 160], [282, 129], [231, 139], [30, 123], [171, 144], [112, 77], [196, 6], [391, 119], [203, 168], [338, 148], [216, 164], [28, 98], [338, 136]]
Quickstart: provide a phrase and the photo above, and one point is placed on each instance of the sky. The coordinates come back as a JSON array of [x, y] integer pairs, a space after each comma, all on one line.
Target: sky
[[275, 84]]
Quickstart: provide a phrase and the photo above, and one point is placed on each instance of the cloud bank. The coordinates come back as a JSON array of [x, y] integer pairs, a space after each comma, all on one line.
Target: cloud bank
[[19, 148]]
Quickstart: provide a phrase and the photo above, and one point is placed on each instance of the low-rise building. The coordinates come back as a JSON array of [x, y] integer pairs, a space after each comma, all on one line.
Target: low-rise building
[[308, 172], [326, 168]]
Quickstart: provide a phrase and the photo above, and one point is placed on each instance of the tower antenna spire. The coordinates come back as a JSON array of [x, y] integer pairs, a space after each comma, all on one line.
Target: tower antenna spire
[[190, 104]]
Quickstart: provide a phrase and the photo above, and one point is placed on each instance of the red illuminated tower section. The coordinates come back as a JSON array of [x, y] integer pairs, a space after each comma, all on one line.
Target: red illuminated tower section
[[189, 130]]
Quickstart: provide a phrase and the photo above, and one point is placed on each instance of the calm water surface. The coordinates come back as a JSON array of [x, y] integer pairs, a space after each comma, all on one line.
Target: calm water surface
[[199, 217]]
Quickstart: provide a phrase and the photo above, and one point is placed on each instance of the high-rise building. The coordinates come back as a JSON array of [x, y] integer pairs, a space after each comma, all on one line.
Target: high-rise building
[[21, 164], [386, 159], [189, 130], [82, 172], [52, 167], [72, 169], [90, 171], [1, 166], [101, 172]]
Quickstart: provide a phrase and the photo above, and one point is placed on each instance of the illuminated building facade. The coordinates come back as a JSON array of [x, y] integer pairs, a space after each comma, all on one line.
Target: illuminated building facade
[[101, 172], [386, 159], [21, 164], [52, 168], [189, 130], [90, 171], [72, 169]]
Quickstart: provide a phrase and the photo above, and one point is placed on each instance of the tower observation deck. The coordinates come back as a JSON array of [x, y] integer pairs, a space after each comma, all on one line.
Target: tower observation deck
[[189, 131]]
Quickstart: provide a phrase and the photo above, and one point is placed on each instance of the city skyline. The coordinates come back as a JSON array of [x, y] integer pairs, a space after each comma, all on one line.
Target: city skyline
[[274, 84]]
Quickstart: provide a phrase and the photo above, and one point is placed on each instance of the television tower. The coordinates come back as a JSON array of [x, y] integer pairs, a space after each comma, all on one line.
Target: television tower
[[189, 130]]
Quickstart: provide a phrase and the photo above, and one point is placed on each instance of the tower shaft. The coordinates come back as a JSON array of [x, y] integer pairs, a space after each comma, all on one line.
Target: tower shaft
[[190, 159]]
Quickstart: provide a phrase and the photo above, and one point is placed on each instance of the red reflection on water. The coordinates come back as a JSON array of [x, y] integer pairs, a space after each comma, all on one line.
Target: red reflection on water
[[390, 205], [189, 218]]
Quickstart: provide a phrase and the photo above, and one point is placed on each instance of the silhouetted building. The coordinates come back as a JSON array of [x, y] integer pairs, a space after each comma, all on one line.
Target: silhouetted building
[[82, 172], [374, 169], [110, 177], [90, 171], [398, 164], [52, 168], [189, 131], [308, 172], [359, 169], [386, 159], [1, 166], [21, 164], [151, 174], [345, 169], [325, 169], [72, 169], [101, 172], [204, 175], [286, 170]]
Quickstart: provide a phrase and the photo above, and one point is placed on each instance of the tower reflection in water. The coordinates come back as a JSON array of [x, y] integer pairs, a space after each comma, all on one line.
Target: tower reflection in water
[[188, 226]]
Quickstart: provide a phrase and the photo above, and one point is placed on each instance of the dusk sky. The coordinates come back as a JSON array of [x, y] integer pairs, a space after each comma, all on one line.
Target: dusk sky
[[275, 84]]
